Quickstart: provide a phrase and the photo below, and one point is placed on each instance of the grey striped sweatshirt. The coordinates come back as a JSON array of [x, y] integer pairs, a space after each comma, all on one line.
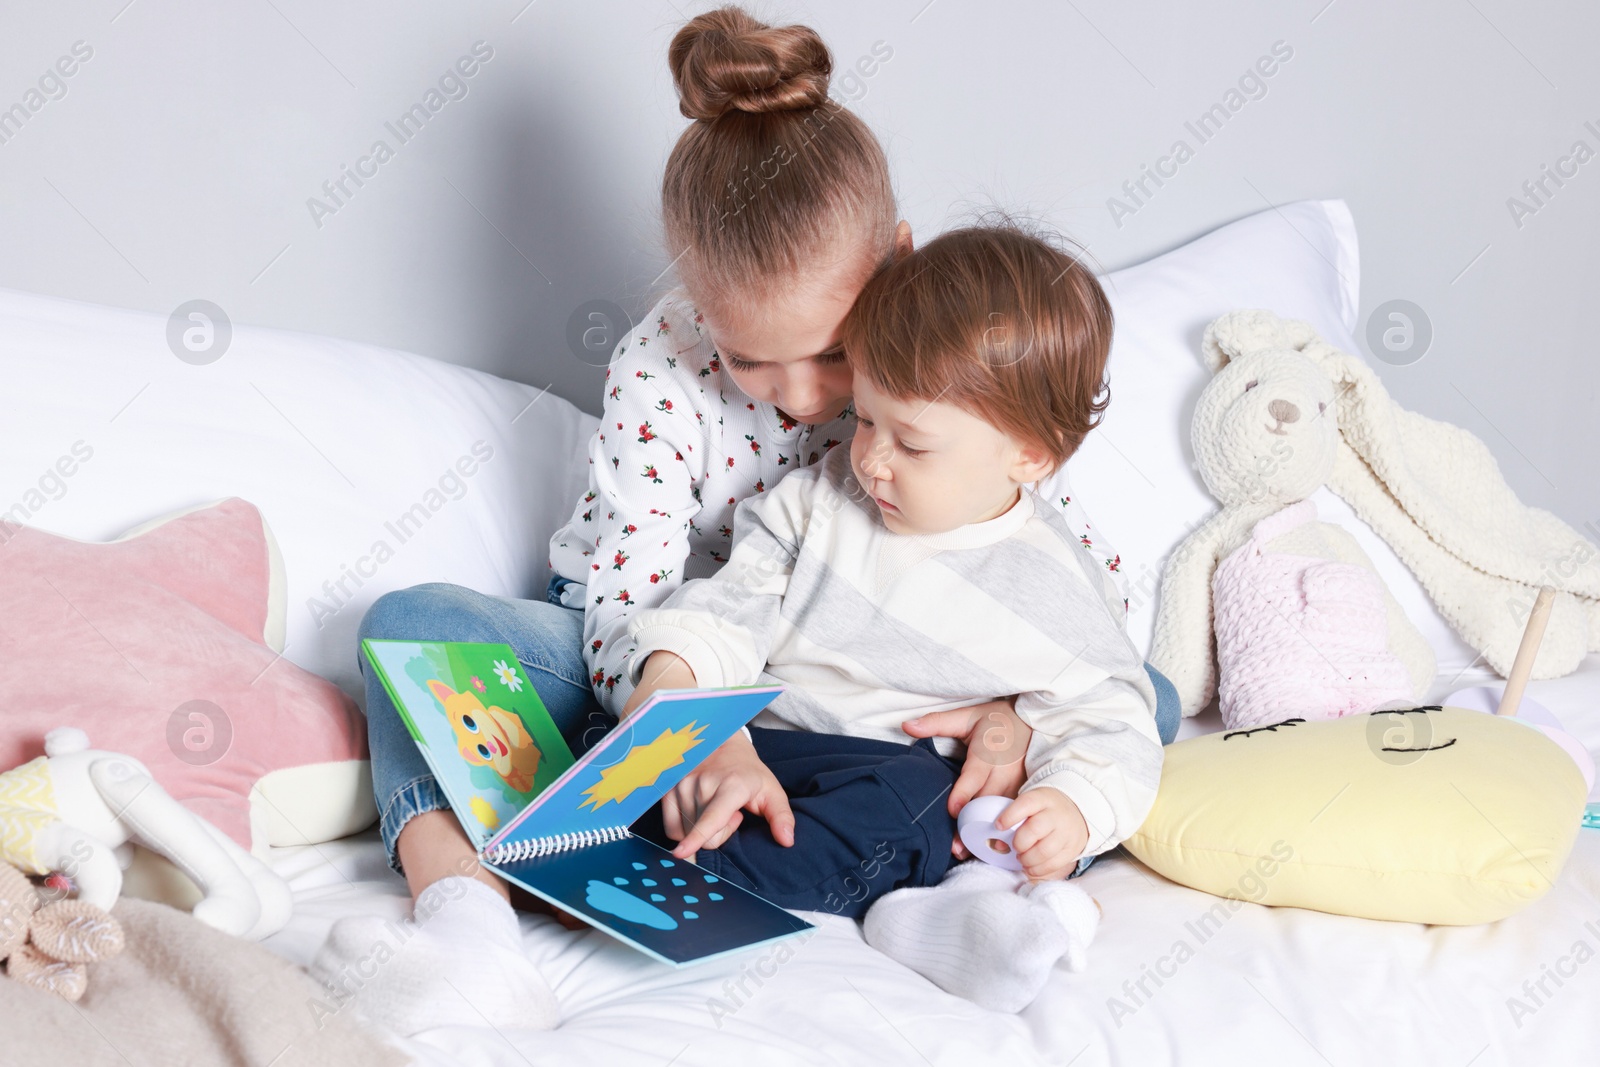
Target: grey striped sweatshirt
[[867, 628]]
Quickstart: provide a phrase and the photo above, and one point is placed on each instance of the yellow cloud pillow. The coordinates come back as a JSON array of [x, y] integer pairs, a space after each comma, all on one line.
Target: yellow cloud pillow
[[1433, 815]]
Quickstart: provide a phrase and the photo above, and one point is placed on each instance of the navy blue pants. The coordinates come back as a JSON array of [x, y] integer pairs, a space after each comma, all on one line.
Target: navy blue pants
[[870, 816]]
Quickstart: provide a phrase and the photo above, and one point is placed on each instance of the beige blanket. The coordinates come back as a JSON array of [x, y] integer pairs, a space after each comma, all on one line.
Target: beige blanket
[[183, 993]]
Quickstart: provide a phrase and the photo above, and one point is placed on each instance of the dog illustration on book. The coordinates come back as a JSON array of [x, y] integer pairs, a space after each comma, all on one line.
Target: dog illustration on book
[[489, 737]]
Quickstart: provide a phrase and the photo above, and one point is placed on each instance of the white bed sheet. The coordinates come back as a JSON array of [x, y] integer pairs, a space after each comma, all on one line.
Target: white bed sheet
[[1267, 986]]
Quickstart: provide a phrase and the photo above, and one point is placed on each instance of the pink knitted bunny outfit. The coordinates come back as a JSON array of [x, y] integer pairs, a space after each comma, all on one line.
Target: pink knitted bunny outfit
[[1299, 636]]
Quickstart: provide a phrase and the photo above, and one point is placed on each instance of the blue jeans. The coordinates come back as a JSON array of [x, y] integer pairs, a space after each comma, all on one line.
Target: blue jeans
[[548, 641], [547, 638]]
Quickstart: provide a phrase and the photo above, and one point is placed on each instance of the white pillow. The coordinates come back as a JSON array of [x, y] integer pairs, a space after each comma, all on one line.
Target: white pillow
[[1135, 473], [334, 441]]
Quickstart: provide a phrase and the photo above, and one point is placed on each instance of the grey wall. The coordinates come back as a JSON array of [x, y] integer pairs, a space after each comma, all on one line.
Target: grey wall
[[178, 161]]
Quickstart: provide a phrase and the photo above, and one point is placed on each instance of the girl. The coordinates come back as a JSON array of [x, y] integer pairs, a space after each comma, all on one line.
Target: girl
[[777, 207]]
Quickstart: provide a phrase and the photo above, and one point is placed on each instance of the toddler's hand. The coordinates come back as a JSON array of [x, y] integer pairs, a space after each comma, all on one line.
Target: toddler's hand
[[1049, 843], [704, 809], [996, 739]]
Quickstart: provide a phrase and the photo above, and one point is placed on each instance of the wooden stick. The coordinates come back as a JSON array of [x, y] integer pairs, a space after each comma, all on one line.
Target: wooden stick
[[1522, 666]]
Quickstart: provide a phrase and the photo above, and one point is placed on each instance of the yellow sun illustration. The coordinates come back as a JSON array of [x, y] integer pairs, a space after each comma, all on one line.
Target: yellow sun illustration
[[485, 813], [642, 766]]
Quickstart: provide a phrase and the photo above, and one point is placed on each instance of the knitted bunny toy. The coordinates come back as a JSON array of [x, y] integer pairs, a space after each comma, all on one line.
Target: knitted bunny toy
[[1303, 625]]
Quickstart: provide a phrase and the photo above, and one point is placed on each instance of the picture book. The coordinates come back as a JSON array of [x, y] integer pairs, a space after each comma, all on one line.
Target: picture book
[[560, 827]]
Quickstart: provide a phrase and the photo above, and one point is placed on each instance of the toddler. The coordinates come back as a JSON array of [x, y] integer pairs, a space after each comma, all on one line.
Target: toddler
[[918, 573]]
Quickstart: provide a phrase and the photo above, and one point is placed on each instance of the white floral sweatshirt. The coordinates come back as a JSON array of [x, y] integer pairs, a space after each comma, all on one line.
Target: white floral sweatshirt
[[678, 446]]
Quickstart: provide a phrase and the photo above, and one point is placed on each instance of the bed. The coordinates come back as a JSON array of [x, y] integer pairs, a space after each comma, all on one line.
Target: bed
[[1264, 985], [333, 439]]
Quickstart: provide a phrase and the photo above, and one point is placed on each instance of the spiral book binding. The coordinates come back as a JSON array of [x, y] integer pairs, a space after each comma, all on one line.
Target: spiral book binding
[[512, 851]]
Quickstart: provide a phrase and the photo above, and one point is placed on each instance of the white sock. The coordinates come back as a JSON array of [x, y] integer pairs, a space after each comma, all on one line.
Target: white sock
[[458, 962], [1075, 909], [982, 933]]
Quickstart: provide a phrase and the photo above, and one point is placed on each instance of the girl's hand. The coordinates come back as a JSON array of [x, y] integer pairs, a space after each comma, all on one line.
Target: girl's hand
[[1054, 836], [996, 739], [704, 809]]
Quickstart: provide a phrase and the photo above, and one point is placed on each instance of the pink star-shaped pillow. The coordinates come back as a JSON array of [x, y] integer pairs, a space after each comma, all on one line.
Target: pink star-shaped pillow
[[165, 645]]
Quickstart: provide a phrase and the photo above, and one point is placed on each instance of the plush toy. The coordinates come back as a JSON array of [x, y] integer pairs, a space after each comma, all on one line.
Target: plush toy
[[1303, 624], [78, 811], [48, 943]]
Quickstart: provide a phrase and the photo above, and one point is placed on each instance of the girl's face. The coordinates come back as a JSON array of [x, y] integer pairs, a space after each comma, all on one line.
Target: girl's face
[[789, 355]]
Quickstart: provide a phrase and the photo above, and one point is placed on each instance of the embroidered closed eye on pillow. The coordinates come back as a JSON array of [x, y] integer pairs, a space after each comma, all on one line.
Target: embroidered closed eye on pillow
[[1430, 815]]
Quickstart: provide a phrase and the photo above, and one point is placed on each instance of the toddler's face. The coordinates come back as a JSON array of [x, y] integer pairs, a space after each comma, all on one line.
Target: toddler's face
[[931, 467]]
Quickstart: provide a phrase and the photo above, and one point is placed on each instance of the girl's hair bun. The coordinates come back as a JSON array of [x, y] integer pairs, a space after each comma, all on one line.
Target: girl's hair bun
[[724, 61]]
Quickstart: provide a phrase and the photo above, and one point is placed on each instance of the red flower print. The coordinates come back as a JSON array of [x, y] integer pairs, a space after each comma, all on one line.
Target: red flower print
[[1114, 564], [624, 597], [678, 456], [650, 472], [618, 560], [616, 392], [643, 375], [730, 461], [594, 646], [750, 407], [662, 327], [598, 676], [785, 423], [628, 529], [1086, 542], [1065, 501], [725, 531], [663, 405], [646, 435], [760, 488], [754, 447]]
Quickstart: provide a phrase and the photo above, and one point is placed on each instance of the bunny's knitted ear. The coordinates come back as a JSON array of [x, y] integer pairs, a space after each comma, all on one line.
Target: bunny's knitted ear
[[1239, 333]]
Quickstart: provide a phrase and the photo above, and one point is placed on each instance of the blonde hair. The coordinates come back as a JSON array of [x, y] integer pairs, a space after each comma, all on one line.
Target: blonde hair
[[997, 321], [773, 180]]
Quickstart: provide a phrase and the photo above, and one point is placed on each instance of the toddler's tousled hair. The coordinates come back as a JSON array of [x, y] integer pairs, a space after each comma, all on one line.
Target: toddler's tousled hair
[[773, 177], [996, 320]]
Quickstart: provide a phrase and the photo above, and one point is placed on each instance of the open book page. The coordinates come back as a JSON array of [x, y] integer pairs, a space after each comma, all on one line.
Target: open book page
[[638, 762], [663, 906], [478, 722]]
